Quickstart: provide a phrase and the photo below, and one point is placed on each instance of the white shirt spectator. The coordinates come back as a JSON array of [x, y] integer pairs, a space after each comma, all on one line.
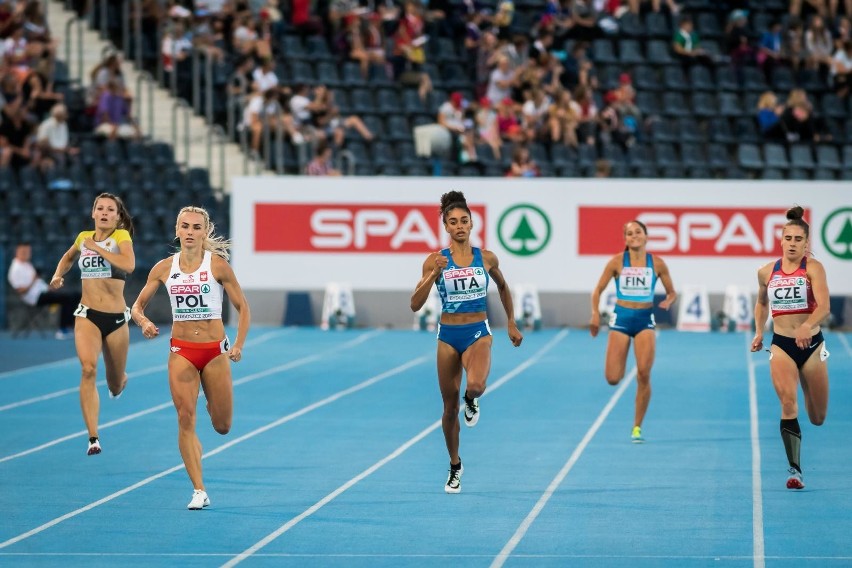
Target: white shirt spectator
[[299, 108], [172, 47], [496, 93], [534, 113], [253, 108], [265, 80], [841, 60], [453, 117], [23, 275], [54, 132]]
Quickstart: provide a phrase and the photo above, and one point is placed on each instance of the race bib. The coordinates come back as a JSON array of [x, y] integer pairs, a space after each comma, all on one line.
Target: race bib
[[465, 284], [636, 281], [788, 294]]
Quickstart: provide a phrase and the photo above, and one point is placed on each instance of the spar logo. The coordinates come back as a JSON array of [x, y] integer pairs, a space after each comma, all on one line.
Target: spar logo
[[837, 233], [356, 228], [684, 231], [524, 229]]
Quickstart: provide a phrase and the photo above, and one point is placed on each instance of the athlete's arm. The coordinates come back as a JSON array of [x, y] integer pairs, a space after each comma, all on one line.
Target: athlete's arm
[[432, 267], [665, 277], [223, 273], [489, 259], [761, 308], [610, 270], [819, 285], [124, 259], [137, 312], [64, 265]]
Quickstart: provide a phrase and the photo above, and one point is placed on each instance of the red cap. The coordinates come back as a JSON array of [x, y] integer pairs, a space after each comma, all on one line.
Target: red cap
[[625, 79], [456, 98], [484, 102], [507, 101]]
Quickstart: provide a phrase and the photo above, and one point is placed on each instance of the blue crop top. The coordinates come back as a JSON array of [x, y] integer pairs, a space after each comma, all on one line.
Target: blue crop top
[[636, 283], [463, 288]]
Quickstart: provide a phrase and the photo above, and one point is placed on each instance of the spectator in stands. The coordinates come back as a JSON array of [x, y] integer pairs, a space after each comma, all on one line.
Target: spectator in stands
[[325, 116], [486, 54], [112, 117], [15, 52], [502, 19], [768, 113], [40, 44], [16, 136], [365, 42], [639, 6], [53, 139], [563, 118], [245, 38], [770, 51], [818, 45], [817, 6], [409, 52], [841, 69], [501, 80], [451, 115], [687, 45], [794, 43], [320, 165], [738, 39], [843, 31], [486, 126], [797, 124], [302, 18], [175, 49], [534, 114], [522, 165], [37, 89], [587, 116], [24, 279], [507, 122], [264, 75]]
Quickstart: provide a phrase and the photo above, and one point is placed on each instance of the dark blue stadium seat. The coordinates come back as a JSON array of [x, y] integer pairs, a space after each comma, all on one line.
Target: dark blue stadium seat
[[775, 156], [603, 51], [749, 158], [658, 52], [828, 157], [630, 52], [674, 79], [802, 157]]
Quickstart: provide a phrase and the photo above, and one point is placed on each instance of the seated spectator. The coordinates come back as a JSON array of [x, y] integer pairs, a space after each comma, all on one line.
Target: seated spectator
[[302, 18], [843, 31], [34, 291], [365, 42], [320, 165], [687, 45], [534, 114], [16, 136], [768, 112], [507, 122], [563, 119], [486, 126], [451, 115], [770, 51], [522, 164], [264, 75], [53, 140], [738, 39], [500, 81], [112, 117], [40, 43], [819, 45], [796, 124], [409, 52], [794, 43], [587, 117], [37, 90], [175, 49], [326, 118], [841, 69]]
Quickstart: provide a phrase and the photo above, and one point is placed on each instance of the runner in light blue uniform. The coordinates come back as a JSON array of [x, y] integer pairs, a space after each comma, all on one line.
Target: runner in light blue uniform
[[461, 274], [635, 272]]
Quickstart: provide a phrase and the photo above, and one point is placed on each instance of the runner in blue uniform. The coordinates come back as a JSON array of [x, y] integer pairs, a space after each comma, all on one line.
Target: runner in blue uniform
[[461, 273]]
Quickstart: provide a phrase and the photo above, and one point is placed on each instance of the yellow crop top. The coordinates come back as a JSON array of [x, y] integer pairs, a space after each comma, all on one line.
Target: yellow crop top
[[93, 265]]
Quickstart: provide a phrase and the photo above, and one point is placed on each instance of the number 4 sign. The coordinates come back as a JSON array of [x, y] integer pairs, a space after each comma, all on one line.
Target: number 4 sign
[[694, 311]]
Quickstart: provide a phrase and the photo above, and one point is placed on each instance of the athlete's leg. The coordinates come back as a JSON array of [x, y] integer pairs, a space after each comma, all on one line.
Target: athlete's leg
[[814, 376], [476, 361], [785, 379], [617, 345], [115, 359], [87, 338], [218, 389], [184, 383], [644, 349], [449, 380]]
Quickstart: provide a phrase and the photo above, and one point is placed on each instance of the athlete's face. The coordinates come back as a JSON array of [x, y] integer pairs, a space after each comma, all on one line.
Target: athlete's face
[[105, 213], [458, 224], [190, 229], [794, 243], [634, 236]]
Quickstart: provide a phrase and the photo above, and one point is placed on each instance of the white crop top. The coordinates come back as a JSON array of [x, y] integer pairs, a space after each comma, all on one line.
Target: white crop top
[[195, 296]]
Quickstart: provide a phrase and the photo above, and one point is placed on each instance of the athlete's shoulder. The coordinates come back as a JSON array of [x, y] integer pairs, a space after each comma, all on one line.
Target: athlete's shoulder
[[122, 235]]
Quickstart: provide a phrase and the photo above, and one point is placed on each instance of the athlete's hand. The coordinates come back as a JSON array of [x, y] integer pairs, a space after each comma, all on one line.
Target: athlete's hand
[[515, 335], [56, 282], [595, 324], [149, 330], [666, 304], [440, 264], [803, 336], [757, 343], [235, 354], [92, 245]]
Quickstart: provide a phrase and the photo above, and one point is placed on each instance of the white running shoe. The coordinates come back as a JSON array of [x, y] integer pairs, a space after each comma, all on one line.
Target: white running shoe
[[94, 448], [795, 481], [471, 412], [199, 500], [454, 480]]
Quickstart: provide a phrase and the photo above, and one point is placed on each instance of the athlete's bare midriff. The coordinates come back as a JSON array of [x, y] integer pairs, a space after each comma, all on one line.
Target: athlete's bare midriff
[[104, 295], [199, 331], [461, 319]]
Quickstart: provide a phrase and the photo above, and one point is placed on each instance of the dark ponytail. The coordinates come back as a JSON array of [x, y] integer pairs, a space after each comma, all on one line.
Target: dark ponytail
[[795, 217], [453, 200]]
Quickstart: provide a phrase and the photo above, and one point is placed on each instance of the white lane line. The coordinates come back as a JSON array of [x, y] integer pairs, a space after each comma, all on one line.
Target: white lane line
[[250, 551], [845, 342], [284, 419], [756, 482], [285, 367], [522, 529]]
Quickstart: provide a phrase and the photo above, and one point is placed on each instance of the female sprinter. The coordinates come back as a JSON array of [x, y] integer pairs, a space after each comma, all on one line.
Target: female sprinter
[[795, 291], [201, 353], [105, 258], [461, 273], [635, 272]]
